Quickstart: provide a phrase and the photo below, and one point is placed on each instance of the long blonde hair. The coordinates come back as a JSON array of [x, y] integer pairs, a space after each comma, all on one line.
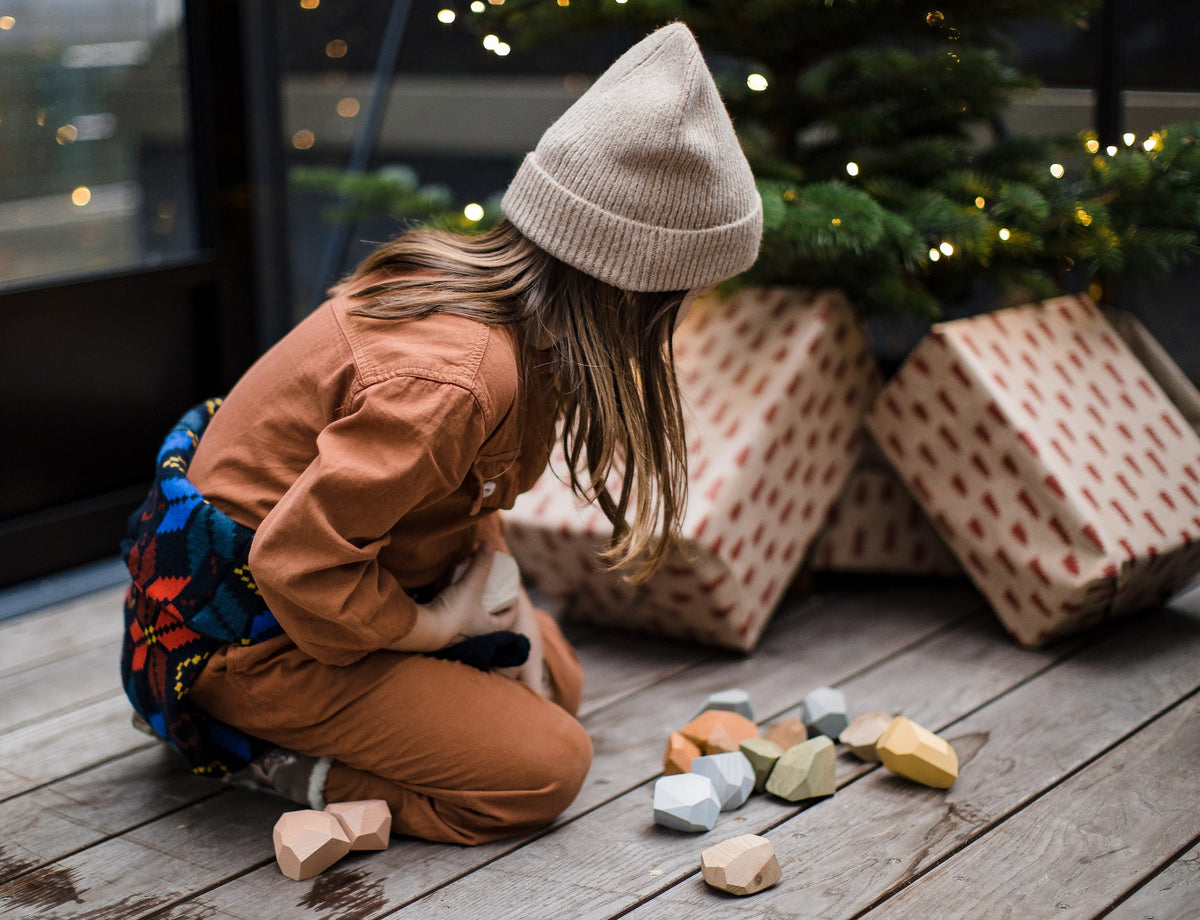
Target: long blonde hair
[[611, 358]]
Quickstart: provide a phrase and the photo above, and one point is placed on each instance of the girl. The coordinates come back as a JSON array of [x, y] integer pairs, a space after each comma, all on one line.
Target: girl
[[365, 456]]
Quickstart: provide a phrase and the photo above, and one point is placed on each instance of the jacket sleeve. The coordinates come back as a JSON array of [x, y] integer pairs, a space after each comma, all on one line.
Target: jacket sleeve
[[406, 441]]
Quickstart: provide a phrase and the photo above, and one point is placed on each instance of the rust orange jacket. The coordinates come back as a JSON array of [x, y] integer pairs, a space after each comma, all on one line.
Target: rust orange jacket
[[370, 456]]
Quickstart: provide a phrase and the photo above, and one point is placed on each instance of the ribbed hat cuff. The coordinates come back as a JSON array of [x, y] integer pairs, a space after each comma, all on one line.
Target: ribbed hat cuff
[[628, 254]]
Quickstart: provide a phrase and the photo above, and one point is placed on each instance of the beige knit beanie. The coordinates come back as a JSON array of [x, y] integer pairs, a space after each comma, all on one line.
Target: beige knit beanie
[[641, 183]]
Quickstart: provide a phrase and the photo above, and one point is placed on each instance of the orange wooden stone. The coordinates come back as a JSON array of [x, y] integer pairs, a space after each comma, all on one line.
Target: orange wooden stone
[[680, 754], [787, 733], [368, 823], [715, 729], [308, 842]]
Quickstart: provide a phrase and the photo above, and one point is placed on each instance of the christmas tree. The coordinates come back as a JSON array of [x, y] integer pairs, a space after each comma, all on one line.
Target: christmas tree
[[876, 131]]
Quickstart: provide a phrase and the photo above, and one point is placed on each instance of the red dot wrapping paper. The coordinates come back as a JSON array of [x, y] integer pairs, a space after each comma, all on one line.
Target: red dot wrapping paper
[[775, 383], [1056, 469]]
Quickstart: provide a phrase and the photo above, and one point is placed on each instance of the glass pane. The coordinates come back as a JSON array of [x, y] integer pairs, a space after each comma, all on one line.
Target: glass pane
[[95, 173]]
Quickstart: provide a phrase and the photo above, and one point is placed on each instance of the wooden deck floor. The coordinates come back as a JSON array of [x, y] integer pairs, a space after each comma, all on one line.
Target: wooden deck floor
[[1078, 796]]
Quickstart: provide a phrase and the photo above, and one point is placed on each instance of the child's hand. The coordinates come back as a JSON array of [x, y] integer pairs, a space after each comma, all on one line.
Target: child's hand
[[461, 604], [533, 671]]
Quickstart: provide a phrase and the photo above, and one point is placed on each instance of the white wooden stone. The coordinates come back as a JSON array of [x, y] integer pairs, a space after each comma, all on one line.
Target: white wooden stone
[[686, 802], [823, 711], [732, 777]]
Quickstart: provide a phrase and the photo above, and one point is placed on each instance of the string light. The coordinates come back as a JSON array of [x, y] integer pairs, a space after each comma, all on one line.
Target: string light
[[1111, 150], [1057, 170], [446, 16], [852, 169], [81, 196], [490, 42], [1149, 144], [1004, 234], [473, 212], [503, 48], [756, 82], [1129, 137], [980, 203], [947, 249], [1093, 145], [934, 255], [478, 7]]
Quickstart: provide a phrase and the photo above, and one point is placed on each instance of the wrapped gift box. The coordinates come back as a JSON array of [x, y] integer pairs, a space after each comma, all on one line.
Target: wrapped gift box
[[774, 384], [1058, 471], [877, 526]]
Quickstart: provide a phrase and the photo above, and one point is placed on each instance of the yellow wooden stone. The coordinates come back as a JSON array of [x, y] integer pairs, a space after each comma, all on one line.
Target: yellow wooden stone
[[741, 865], [862, 734], [918, 754]]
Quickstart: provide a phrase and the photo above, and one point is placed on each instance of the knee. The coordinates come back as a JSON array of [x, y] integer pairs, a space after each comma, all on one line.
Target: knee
[[552, 769]]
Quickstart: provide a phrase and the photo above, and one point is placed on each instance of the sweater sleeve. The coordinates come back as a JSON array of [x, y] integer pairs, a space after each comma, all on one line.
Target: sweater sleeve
[[407, 441]]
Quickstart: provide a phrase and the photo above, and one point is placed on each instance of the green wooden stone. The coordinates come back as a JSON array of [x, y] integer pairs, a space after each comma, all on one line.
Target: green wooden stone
[[806, 771], [762, 755]]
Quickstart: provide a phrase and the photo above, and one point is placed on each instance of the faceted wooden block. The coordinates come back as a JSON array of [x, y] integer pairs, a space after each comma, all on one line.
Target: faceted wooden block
[[824, 712], [741, 865], [762, 754], [786, 733], [715, 729], [368, 823], [686, 802], [863, 732], [680, 754], [806, 771], [732, 700], [503, 585], [918, 754], [732, 777], [308, 842]]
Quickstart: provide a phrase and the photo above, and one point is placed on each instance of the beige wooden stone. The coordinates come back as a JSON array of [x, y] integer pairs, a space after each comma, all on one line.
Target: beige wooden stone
[[368, 822], [741, 865], [762, 754], [862, 734], [918, 754], [715, 730], [679, 754], [806, 771], [308, 842], [786, 733]]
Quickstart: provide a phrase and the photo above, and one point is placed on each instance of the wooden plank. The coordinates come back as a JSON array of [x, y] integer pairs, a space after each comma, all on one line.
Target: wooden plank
[[613, 858], [152, 866], [39, 692], [47, 750], [1173, 892], [1099, 830], [49, 823], [615, 668], [846, 854], [60, 631], [826, 640]]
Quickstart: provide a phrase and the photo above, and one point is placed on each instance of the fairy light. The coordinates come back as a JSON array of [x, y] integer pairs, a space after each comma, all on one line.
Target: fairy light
[[7, 22], [478, 7], [564, 2], [1129, 138], [1092, 145], [947, 249], [756, 82], [1111, 150], [309, 4], [1149, 144], [1057, 170], [348, 107], [490, 42], [81, 196], [1083, 217], [503, 48], [934, 255], [1004, 234], [446, 16], [303, 139], [336, 48], [473, 212], [852, 169], [837, 221], [980, 203]]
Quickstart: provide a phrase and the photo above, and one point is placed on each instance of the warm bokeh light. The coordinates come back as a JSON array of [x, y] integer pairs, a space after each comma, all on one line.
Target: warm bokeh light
[[446, 16], [947, 249], [852, 169], [1004, 233], [347, 107], [336, 48], [934, 255], [81, 196], [7, 22], [1149, 144], [1129, 137], [503, 48], [309, 4], [1057, 170], [1092, 145], [756, 82], [1111, 150], [490, 42], [980, 203], [66, 134], [303, 139], [478, 7], [473, 212]]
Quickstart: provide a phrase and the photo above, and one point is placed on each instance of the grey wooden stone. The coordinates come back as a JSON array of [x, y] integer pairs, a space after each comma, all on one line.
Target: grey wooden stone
[[732, 777], [732, 700], [686, 802], [823, 711]]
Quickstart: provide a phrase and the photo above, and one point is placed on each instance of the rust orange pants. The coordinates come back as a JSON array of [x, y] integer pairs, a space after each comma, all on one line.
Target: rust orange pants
[[459, 754]]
